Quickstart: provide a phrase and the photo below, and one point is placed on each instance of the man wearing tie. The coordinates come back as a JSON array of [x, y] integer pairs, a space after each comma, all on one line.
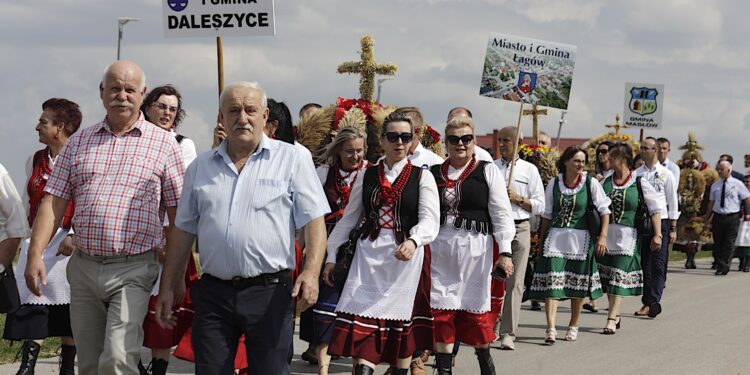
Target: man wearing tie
[[723, 214]]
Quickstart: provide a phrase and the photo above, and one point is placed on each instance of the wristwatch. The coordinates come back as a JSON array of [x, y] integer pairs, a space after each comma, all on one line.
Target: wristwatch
[[507, 255]]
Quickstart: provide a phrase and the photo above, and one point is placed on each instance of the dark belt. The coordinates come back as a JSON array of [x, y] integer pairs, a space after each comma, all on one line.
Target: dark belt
[[520, 221], [264, 279], [727, 215]]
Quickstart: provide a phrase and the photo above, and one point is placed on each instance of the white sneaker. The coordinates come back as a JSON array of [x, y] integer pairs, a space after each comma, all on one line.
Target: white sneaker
[[506, 342]]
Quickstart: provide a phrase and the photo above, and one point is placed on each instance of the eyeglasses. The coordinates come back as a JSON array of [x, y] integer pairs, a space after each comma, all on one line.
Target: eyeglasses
[[465, 139], [164, 107], [602, 151], [393, 137]]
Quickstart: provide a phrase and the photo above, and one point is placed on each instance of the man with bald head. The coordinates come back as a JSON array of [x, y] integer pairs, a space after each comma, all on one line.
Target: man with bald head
[[118, 172], [723, 214], [526, 193], [481, 153], [244, 200]]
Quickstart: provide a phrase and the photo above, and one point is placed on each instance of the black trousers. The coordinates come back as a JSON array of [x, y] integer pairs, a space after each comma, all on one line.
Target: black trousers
[[223, 313], [654, 266], [724, 229]]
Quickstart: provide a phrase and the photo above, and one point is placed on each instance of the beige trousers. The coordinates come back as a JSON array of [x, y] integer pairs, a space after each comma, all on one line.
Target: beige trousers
[[108, 302], [520, 246]]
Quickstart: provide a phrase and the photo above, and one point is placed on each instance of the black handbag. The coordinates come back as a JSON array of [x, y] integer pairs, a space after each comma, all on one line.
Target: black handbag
[[642, 217], [9, 298], [345, 255], [593, 219]]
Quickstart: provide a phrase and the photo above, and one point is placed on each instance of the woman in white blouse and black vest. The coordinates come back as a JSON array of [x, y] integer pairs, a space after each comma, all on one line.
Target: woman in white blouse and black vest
[[474, 212], [383, 314]]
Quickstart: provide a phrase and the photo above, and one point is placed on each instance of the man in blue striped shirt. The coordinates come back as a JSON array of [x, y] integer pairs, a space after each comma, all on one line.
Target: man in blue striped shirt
[[244, 200]]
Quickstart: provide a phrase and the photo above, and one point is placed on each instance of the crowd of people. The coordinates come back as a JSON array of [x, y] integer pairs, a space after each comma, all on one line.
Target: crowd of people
[[388, 262]]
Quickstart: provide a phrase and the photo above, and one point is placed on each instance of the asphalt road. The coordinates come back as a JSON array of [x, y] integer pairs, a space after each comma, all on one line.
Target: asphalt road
[[704, 329]]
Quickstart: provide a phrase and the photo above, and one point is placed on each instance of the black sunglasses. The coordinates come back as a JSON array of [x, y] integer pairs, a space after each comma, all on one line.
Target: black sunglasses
[[393, 137], [602, 151], [465, 139]]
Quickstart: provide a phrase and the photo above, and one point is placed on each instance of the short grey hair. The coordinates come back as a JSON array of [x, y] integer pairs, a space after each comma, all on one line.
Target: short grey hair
[[142, 84], [512, 130], [245, 84]]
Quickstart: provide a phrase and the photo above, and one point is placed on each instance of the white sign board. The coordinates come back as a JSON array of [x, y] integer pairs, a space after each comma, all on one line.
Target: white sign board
[[201, 18], [528, 70], [643, 105]]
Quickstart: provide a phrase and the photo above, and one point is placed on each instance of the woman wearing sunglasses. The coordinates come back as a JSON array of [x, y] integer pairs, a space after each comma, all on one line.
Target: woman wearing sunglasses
[[474, 212], [566, 269], [163, 108], [384, 314]]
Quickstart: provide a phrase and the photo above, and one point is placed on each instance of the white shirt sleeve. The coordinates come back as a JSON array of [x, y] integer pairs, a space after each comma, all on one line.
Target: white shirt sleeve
[[503, 227], [24, 192], [600, 198], [322, 172], [652, 199], [549, 195], [16, 225], [351, 217], [536, 192], [187, 146], [428, 211], [670, 188]]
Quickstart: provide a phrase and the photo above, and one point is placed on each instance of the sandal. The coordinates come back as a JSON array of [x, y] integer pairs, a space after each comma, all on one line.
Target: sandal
[[572, 334], [610, 331], [550, 338]]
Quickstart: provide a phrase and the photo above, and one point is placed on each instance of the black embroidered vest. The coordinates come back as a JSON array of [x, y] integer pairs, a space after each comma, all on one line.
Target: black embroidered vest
[[472, 196], [405, 209], [334, 200]]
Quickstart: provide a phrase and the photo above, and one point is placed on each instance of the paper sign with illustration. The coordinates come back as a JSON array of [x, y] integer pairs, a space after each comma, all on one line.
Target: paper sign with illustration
[[528, 70]]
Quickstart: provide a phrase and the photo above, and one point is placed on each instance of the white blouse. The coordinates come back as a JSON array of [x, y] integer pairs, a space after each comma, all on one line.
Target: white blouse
[[428, 212]]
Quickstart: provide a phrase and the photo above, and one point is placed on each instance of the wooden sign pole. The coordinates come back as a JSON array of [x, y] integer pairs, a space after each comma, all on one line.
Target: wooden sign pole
[[220, 62], [515, 145]]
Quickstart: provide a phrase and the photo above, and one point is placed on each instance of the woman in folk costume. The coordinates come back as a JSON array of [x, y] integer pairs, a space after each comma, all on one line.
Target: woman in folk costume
[[341, 163], [620, 265], [47, 315], [474, 213], [163, 108], [566, 268], [383, 314]]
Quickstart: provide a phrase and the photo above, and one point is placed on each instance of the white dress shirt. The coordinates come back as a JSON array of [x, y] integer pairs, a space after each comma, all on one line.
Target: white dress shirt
[[734, 193], [527, 183], [663, 182], [424, 158], [672, 167], [482, 154], [13, 222]]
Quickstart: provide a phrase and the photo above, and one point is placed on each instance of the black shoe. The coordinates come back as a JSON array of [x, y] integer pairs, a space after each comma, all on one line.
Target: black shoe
[[535, 306], [590, 308], [29, 353], [654, 309], [398, 371], [444, 363], [310, 357], [363, 370], [486, 365]]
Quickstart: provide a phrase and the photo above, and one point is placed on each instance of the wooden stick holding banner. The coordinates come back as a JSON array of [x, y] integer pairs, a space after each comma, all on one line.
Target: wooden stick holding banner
[[515, 145], [220, 62]]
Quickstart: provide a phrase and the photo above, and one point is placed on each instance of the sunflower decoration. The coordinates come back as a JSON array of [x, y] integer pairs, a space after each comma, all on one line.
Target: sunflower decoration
[[543, 157]]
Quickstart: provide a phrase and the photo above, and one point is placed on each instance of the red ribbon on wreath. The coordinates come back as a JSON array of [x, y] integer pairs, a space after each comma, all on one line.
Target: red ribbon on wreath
[[343, 105]]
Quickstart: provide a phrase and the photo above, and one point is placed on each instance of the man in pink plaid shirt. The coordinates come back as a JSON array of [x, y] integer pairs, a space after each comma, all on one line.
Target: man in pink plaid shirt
[[118, 171]]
